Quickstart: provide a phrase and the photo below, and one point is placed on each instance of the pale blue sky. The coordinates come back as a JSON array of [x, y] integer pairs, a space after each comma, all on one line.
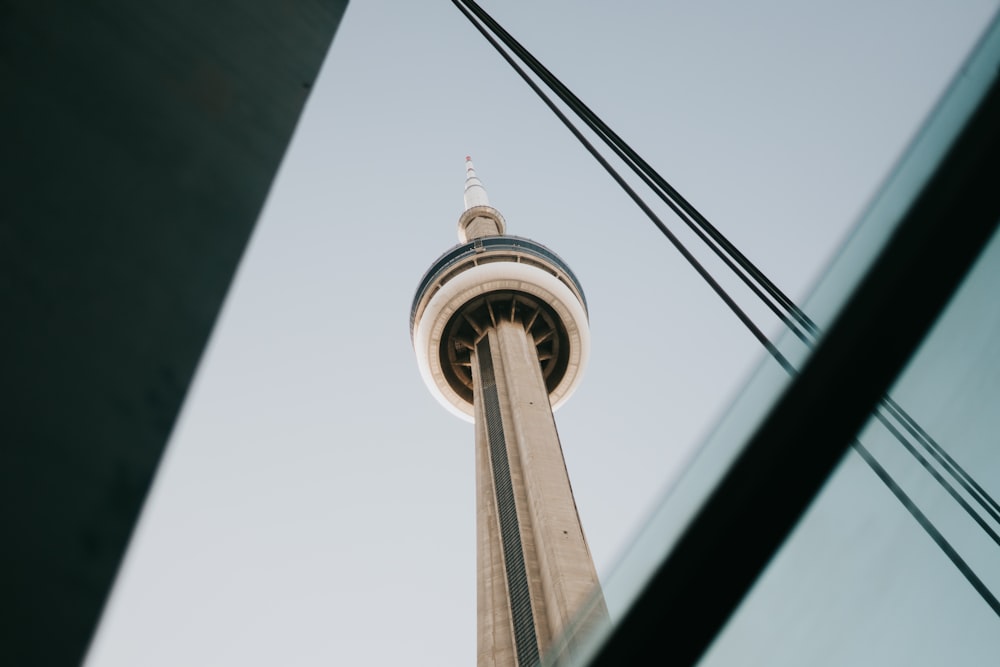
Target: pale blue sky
[[315, 505]]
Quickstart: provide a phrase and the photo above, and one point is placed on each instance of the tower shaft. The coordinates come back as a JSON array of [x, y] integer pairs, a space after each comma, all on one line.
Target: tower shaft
[[535, 572]]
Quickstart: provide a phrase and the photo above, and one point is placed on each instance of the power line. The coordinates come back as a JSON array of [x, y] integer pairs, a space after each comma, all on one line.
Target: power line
[[929, 528], [796, 320], [762, 287], [944, 459], [681, 248], [803, 327], [752, 277], [938, 477]]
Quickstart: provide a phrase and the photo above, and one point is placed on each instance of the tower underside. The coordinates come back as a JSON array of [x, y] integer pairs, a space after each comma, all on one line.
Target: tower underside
[[474, 285], [534, 568]]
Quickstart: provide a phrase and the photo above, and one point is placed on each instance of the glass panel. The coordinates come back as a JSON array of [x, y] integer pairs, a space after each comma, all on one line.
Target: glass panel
[[860, 582], [887, 554]]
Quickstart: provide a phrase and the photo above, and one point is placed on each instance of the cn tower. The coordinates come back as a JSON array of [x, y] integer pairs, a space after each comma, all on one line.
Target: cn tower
[[499, 326]]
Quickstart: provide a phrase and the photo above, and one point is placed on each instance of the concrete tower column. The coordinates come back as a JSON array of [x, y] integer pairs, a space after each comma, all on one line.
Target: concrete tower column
[[554, 564]]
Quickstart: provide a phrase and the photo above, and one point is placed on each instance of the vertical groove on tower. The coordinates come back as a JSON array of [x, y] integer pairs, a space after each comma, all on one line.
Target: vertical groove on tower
[[525, 640]]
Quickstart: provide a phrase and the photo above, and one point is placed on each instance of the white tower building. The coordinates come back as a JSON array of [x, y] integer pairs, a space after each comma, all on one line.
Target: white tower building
[[499, 326]]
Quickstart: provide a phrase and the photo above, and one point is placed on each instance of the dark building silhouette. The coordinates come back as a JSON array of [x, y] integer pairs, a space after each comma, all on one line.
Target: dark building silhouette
[[139, 143]]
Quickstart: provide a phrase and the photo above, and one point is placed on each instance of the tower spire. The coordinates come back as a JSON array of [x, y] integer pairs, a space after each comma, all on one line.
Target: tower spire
[[475, 193], [479, 219]]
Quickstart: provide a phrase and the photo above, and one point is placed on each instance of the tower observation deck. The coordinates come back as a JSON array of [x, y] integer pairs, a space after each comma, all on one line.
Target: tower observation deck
[[500, 329]]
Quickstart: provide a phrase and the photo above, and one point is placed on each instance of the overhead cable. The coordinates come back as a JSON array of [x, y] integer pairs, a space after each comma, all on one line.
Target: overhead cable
[[702, 271], [777, 301]]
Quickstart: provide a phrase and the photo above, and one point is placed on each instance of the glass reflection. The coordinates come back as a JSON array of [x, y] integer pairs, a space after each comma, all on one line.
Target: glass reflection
[[859, 582]]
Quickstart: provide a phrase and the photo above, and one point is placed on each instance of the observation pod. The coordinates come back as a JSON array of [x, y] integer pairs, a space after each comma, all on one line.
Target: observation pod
[[492, 277]]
